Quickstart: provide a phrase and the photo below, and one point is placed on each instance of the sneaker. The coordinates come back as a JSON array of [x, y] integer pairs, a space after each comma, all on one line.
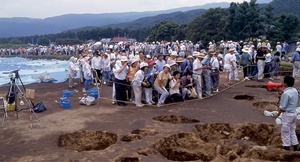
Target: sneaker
[[83, 90], [260, 80], [113, 102], [237, 79], [216, 91], [158, 104], [152, 102], [140, 105], [247, 78], [104, 83]]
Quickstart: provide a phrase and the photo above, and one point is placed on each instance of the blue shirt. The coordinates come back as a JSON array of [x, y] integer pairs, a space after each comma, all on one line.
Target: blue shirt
[[296, 56], [159, 66], [289, 99]]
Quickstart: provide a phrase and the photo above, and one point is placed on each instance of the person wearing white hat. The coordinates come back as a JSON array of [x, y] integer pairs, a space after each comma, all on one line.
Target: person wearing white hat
[[134, 67], [137, 83], [172, 57], [120, 71], [87, 73], [228, 65], [105, 68], [215, 69], [160, 84], [246, 62], [197, 74], [296, 63], [96, 67], [72, 71]]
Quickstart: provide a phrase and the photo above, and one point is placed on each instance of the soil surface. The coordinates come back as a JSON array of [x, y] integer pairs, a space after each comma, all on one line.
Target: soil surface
[[227, 126]]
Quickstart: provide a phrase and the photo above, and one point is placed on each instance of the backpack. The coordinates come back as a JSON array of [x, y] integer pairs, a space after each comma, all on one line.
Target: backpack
[[39, 107]]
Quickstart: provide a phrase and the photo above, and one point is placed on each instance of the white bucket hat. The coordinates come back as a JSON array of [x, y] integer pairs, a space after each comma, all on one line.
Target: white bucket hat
[[174, 53], [143, 64], [124, 58]]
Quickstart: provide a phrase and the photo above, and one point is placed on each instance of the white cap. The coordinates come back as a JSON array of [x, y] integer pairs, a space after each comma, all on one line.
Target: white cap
[[143, 64], [174, 53]]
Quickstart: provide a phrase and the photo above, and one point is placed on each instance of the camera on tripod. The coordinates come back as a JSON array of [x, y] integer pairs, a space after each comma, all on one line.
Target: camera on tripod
[[13, 74]]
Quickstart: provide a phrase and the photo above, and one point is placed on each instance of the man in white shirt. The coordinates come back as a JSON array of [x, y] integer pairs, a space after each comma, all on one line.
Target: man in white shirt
[[96, 67], [120, 72], [197, 73]]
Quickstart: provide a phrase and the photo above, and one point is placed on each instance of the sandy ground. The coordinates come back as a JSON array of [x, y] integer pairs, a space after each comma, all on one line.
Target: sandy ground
[[19, 142]]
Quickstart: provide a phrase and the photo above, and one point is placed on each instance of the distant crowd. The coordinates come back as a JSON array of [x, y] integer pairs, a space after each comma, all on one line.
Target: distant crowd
[[175, 71]]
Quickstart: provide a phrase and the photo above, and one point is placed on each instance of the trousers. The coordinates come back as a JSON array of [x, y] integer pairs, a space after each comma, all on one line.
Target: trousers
[[288, 129], [198, 84]]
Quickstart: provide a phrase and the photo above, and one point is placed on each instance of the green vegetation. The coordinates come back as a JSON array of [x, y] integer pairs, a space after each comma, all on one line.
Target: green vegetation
[[241, 21]]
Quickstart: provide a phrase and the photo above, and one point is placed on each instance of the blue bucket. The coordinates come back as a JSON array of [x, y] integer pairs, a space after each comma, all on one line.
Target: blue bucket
[[93, 90], [67, 93], [95, 95], [66, 104]]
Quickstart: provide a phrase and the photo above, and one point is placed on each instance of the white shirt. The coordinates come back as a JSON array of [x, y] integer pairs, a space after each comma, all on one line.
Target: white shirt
[[138, 78], [106, 64], [278, 48], [268, 57], [72, 69], [120, 75], [197, 64], [96, 62], [228, 59], [174, 89], [215, 64]]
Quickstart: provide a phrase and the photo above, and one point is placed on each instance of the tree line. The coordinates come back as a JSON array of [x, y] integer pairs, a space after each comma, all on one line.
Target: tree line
[[241, 21]]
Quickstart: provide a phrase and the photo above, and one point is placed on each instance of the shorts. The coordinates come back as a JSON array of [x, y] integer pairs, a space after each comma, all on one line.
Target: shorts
[[227, 68]]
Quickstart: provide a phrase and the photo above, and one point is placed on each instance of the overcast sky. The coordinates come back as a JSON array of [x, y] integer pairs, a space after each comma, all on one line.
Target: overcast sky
[[49, 8]]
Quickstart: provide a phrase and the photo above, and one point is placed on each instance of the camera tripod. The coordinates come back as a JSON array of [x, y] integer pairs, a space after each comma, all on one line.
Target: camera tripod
[[12, 96]]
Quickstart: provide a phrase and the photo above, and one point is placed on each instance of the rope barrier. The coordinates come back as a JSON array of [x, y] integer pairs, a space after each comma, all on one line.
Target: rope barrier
[[186, 101]]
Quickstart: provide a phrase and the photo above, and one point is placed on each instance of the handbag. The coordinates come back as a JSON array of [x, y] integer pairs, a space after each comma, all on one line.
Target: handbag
[[193, 92]]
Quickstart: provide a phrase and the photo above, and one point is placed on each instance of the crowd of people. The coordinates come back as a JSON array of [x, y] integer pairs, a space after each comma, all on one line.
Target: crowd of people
[[176, 71]]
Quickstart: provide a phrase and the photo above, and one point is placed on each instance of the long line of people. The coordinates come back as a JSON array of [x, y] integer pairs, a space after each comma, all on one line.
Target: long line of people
[[176, 75]]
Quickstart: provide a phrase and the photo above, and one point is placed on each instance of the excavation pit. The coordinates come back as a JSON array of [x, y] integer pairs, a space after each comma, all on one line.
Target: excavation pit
[[225, 142], [130, 138], [87, 140], [128, 159], [244, 97], [265, 105], [175, 119]]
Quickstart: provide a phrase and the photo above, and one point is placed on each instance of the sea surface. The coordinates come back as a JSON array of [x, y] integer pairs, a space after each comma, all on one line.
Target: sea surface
[[31, 70]]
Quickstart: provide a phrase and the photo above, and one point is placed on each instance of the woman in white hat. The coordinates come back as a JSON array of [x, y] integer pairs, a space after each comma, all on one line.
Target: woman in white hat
[[106, 68], [160, 84], [138, 82], [72, 71]]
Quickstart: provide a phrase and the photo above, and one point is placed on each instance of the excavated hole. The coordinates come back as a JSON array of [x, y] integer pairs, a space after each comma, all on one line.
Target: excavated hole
[[87, 140], [144, 132], [265, 105], [228, 141], [175, 119], [256, 86], [128, 159], [130, 138], [244, 97]]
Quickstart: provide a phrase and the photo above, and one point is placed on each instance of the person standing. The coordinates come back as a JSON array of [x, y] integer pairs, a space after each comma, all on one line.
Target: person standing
[[275, 66], [96, 67], [246, 62], [206, 72], [160, 63], [106, 68], [228, 66], [138, 82], [87, 73], [72, 71], [160, 84], [288, 105], [216, 72], [285, 51], [296, 63], [197, 73], [120, 72], [260, 59]]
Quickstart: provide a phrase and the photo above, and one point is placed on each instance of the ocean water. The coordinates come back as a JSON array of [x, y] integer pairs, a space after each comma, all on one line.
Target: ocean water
[[31, 70]]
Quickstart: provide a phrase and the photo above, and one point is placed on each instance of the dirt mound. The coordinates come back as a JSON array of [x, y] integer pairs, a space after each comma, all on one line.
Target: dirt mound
[[185, 147], [130, 138], [214, 131], [87, 140], [265, 105], [175, 119], [244, 97], [144, 132]]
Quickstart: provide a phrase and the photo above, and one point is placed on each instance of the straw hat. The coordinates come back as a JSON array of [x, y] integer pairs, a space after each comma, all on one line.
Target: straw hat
[[143, 64], [231, 50], [201, 55], [246, 50], [179, 60]]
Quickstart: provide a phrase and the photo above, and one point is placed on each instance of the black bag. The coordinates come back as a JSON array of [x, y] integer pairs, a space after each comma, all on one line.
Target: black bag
[[39, 107]]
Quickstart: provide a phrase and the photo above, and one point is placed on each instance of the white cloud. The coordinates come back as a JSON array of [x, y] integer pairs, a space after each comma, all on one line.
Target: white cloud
[[49, 8]]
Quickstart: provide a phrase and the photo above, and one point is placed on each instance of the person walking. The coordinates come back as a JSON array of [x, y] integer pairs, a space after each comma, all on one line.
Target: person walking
[[288, 105], [72, 71], [296, 63]]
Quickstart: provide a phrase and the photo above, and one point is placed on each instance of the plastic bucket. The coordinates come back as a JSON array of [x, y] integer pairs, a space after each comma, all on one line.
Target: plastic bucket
[[93, 90], [95, 95], [66, 104], [67, 93]]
